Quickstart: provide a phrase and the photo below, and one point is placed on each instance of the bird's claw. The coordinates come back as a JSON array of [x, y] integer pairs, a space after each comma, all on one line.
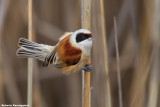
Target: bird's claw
[[87, 68]]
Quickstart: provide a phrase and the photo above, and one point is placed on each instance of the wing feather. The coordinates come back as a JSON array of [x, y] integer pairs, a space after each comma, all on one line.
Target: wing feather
[[53, 60]]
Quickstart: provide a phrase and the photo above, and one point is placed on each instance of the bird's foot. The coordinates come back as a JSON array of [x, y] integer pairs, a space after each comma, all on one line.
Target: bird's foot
[[87, 68]]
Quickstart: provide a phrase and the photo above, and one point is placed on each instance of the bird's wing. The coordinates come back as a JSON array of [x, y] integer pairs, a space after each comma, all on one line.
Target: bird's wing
[[53, 60], [60, 61]]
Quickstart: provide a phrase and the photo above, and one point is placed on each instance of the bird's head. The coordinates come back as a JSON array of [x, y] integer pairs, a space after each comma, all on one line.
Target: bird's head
[[82, 39]]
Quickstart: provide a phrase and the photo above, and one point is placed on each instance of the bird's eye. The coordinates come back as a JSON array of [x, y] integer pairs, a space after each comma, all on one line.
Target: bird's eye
[[83, 36], [80, 37]]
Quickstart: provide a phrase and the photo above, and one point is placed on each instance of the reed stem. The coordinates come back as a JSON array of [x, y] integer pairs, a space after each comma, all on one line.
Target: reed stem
[[104, 41], [118, 66], [30, 61], [86, 24]]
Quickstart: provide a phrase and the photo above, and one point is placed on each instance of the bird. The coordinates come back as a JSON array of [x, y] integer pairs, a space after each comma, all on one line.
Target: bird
[[72, 52]]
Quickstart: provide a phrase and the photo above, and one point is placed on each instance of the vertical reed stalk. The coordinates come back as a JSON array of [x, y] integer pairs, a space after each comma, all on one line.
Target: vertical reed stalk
[[118, 66], [108, 91], [83, 88], [154, 75], [30, 61], [3, 10], [86, 24]]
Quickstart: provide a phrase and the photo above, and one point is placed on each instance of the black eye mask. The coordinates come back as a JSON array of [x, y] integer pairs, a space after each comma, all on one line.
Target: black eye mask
[[81, 36]]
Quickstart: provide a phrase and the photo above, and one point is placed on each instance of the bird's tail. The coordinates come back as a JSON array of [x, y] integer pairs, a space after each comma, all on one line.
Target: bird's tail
[[31, 49]]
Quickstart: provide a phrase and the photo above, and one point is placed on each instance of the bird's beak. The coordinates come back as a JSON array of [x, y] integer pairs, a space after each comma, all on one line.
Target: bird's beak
[[90, 38]]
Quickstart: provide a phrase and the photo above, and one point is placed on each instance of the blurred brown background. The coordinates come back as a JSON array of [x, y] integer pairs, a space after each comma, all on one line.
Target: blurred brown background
[[138, 25]]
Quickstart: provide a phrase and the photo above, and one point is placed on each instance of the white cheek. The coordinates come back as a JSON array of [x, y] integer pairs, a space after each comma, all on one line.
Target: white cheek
[[86, 43], [86, 46]]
